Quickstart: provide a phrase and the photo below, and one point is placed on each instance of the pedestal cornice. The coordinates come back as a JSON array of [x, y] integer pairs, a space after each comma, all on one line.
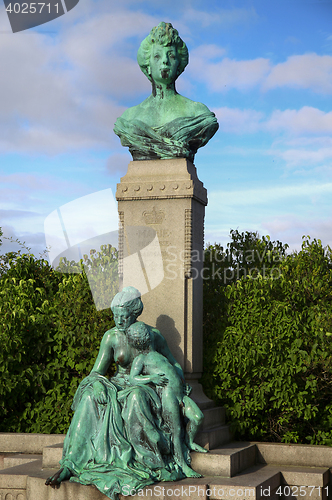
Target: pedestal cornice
[[161, 179]]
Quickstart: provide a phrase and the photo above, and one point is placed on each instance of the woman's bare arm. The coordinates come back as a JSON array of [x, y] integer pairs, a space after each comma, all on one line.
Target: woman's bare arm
[[105, 355]]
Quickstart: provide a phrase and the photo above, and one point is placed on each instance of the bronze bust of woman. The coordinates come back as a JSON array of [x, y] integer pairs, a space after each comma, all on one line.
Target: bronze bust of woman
[[166, 124]]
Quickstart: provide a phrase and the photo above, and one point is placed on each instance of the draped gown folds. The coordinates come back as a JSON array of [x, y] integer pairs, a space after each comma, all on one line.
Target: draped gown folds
[[121, 445], [179, 138]]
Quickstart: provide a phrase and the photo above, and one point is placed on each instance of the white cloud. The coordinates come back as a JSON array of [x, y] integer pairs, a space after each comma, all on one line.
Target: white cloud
[[14, 214], [304, 141], [61, 93], [118, 163], [287, 228], [222, 17], [220, 76], [101, 61], [35, 241], [321, 141], [285, 213], [267, 195], [31, 183], [239, 121], [303, 157], [306, 71], [206, 51], [291, 122], [306, 120], [26, 199], [309, 71], [290, 228]]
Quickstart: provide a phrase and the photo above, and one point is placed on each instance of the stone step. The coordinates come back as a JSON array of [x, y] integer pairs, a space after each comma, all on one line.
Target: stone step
[[311, 483], [2, 458], [281, 482], [213, 417], [214, 437], [27, 482], [11, 460], [304, 476], [52, 455], [257, 482], [294, 454], [27, 443], [249, 486], [13, 481], [245, 480], [227, 460]]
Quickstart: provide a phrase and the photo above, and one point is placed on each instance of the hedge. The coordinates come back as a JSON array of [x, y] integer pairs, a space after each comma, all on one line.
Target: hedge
[[268, 350]]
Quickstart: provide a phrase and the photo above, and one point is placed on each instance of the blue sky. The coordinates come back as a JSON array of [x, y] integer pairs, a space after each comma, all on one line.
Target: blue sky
[[264, 67]]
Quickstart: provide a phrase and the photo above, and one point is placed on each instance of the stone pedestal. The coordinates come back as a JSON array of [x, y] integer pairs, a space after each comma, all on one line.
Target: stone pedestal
[[161, 207]]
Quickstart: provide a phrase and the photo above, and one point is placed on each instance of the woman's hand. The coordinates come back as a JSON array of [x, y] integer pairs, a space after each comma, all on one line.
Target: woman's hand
[[99, 392], [159, 379]]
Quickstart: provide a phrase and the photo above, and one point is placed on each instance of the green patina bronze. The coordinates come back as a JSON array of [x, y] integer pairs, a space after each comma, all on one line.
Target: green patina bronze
[[165, 125], [171, 390], [127, 432]]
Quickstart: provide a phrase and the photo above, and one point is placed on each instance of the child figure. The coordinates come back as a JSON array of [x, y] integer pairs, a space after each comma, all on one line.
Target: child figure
[[158, 370]]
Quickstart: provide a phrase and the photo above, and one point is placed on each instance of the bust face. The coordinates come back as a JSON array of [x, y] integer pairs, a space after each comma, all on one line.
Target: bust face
[[164, 62]]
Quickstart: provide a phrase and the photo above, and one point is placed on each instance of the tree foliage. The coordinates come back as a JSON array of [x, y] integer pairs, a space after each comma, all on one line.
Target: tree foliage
[[50, 333], [245, 255], [268, 355]]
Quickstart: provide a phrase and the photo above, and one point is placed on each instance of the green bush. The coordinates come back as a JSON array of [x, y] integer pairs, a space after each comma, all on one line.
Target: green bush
[[78, 330], [246, 254], [268, 359], [50, 333]]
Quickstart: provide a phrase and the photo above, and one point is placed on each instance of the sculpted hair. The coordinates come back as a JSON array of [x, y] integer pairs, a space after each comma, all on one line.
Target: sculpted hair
[[163, 34], [138, 335], [130, 299]]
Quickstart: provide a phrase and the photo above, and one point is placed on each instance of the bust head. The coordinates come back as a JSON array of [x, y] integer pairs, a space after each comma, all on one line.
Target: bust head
[[162, 36]]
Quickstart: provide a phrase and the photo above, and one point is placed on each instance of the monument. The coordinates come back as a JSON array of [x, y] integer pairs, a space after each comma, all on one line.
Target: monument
[[161, 191], [139, 426]]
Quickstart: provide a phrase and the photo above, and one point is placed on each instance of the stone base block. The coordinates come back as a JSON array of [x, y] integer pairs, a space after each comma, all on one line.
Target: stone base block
[[226, 461], [12, 494], [294, 454], [215, 437], [27, 443], [52, 455], [37, 490], [249, 485]]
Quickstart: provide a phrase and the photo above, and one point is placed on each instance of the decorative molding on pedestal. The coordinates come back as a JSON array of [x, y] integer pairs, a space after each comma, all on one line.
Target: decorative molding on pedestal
[[188, 240], [120, 250], [161, 179]]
